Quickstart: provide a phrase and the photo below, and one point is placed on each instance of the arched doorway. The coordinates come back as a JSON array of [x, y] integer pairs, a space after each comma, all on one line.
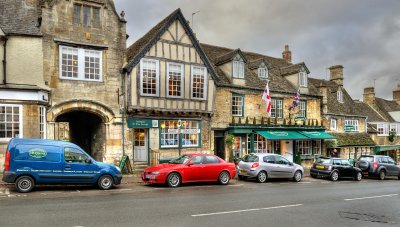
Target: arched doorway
[[85, 129]]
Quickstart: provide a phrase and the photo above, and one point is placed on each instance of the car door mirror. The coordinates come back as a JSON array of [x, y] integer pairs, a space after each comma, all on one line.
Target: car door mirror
[[291, 163], [190, 163]]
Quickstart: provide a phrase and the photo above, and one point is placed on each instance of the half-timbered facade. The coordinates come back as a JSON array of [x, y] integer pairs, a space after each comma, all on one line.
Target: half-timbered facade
[[169, 92]]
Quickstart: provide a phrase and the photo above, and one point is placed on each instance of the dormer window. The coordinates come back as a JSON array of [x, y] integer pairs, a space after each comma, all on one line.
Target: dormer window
[[302, 78], [263, 71], [238, 67], [339, 95]]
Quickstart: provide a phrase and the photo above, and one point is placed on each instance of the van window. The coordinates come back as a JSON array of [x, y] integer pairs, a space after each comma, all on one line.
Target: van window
[[74, 155], [44, 153]]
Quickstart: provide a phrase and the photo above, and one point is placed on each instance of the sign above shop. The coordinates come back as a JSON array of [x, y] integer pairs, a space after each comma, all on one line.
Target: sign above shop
[[348, 128], [142, 123], [184, 131]]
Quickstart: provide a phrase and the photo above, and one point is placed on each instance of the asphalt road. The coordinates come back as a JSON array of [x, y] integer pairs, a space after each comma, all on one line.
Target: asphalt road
[[279, 203]]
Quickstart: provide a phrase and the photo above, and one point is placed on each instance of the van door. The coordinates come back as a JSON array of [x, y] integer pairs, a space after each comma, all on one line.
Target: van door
[[78, 167]]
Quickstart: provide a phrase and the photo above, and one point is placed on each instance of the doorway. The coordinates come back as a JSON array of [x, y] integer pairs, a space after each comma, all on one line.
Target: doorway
[[219, 144], [140, 145], [287, 149]]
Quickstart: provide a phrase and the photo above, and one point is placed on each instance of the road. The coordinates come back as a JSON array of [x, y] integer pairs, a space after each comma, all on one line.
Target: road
[[313, 202]]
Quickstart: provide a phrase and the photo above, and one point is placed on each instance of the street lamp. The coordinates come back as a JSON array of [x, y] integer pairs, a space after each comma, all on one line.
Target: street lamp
[[192, 18]]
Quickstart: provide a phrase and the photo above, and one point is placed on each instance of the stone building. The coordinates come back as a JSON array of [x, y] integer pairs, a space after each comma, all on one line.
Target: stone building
[[383, 121], [77, 49], [170, 87], [343, 117], [24, 96], [241, 118]]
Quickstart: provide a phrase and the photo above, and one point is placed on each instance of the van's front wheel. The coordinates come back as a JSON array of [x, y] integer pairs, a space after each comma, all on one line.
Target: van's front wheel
[[105, 182], [24, 184]]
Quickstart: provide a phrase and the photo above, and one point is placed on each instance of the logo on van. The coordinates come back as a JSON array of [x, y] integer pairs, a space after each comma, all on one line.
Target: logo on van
[[37, 153]]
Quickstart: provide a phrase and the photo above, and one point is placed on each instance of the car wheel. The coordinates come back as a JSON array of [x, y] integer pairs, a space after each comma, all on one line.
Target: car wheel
[[24, 184], [297, 176], [105, 182], [262, 177], [359, 176], [334, 176], [173, 180], [382, 175], [224, 178]]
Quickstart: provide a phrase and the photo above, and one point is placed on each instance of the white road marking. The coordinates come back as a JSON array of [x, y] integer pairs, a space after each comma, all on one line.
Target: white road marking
[[235, 185], [239, 211], [7, 191], [122, 189], [304, 182], [371, 197]]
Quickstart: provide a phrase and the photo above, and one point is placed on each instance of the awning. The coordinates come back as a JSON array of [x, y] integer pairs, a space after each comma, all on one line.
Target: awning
[[282, 135], [386, 148], [317, 135]]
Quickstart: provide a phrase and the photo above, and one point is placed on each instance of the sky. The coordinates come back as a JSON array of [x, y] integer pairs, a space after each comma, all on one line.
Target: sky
[[361, 35]]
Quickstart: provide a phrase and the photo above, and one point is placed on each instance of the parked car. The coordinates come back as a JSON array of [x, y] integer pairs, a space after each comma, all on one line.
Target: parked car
[[379, 166], [30, 162], [335, 168], [262, 166], [190, 168]]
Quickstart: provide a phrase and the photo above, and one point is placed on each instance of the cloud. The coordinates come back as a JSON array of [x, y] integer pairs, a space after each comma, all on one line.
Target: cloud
[[360, 35]]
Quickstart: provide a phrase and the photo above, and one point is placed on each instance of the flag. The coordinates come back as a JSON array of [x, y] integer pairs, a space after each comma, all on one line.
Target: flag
[[267, 98], [296, 100]]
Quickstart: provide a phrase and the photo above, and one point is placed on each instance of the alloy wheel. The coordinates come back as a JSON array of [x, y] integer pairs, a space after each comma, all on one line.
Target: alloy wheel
[[335, 176]]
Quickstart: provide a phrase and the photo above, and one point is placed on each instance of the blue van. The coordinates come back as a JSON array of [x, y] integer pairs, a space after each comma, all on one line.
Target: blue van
[[36, 161]]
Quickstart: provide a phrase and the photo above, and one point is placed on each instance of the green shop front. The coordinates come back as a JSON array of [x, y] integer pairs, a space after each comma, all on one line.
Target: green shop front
[[390, 150], [300, 144], [155, 140]]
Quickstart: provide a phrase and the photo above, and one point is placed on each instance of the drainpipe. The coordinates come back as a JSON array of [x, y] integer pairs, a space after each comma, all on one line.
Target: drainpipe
[[4, 60]]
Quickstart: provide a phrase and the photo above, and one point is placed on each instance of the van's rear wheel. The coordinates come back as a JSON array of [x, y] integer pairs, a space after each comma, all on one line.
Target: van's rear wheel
[[105, 182], [24, 184]]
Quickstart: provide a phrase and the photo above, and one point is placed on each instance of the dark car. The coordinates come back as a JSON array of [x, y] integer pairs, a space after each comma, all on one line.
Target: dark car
[[378, 166], [335, 168]]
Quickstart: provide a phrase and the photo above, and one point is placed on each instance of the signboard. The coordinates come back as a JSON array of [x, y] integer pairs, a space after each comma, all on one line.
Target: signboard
[[348, 128], [142, 123], [184, 131], [125, 165]]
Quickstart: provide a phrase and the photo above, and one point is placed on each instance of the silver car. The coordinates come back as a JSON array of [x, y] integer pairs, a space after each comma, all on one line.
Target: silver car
[[263, 166]]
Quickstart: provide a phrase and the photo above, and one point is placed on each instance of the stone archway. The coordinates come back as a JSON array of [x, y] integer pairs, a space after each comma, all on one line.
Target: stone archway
[[83, 123]]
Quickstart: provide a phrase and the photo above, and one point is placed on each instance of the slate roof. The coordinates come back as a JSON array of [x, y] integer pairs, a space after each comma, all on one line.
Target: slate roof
[[348, 107], [256, 63], [384, 106], [353, 139], [367, 110], [292, 69], [229, 57], [19, 17]]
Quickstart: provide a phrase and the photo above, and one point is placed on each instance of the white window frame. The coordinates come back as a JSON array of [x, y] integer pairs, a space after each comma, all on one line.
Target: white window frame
[[352, 122], [333, 124], [157, 69], [263, 72], [276, 107], [303, 78], [191, 125], [20, 121], [305, 146], [240, 109], [205, 77], [384, 129], [317, 147], [42, 122], [81, 64], [186, 124], [182, 79], [238, 69], [394, 127], [303, 108], [339, 95]]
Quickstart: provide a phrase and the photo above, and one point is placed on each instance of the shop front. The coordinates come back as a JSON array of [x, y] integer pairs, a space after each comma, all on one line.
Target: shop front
[[390, 150]]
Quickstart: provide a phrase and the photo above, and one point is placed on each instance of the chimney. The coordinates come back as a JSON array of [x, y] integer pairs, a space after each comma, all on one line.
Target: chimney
[[287, 54], [396, 94], [336, 74], [369, 95]]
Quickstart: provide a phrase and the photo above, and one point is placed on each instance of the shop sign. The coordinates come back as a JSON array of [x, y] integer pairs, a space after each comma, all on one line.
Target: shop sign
[[142, 123], [184, 131], [348, 128]]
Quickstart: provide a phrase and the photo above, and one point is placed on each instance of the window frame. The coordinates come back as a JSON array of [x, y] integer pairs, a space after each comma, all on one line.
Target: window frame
[[205, 77], [300, 144], [157, 70], [262, 70], [305, 108], [339, 96], [179, 138], [316, 146], [303, 78], [350, 122], [182, 80], [81, 64], [20, 123], [91, 17], [42, 122], [242, 109], [335, 124], [275, 109], [238, 69]]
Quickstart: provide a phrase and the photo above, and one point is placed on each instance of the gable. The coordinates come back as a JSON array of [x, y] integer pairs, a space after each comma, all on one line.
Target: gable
[[176, 33]]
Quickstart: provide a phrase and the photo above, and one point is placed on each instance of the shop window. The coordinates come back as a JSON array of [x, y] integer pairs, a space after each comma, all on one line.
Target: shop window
[[10, 121], [169, 134], [317, 147], [303, 147]]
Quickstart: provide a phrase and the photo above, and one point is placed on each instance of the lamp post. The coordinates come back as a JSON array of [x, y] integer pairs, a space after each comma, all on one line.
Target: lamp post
[[192, 18], [179, 136]]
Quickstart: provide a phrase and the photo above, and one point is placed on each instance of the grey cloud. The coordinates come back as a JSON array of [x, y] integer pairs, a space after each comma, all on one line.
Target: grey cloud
[[361, 35]]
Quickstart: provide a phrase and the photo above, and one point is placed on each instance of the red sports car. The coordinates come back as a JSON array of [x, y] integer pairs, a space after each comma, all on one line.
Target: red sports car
[[190, 168]]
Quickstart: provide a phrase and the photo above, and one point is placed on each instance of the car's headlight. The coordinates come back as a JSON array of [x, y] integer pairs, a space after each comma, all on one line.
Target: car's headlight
[[119, 169], [154, 173]]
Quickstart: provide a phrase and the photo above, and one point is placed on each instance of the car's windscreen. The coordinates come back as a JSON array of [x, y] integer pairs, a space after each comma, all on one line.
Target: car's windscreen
[[323, 160], [182, 159], [367, 158], [250, 158]]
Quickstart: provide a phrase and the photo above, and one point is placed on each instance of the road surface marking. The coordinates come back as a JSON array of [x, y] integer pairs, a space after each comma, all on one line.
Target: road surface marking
[[239, 211], [305, 182], [235, 185], [122, 189], [371, 197]]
